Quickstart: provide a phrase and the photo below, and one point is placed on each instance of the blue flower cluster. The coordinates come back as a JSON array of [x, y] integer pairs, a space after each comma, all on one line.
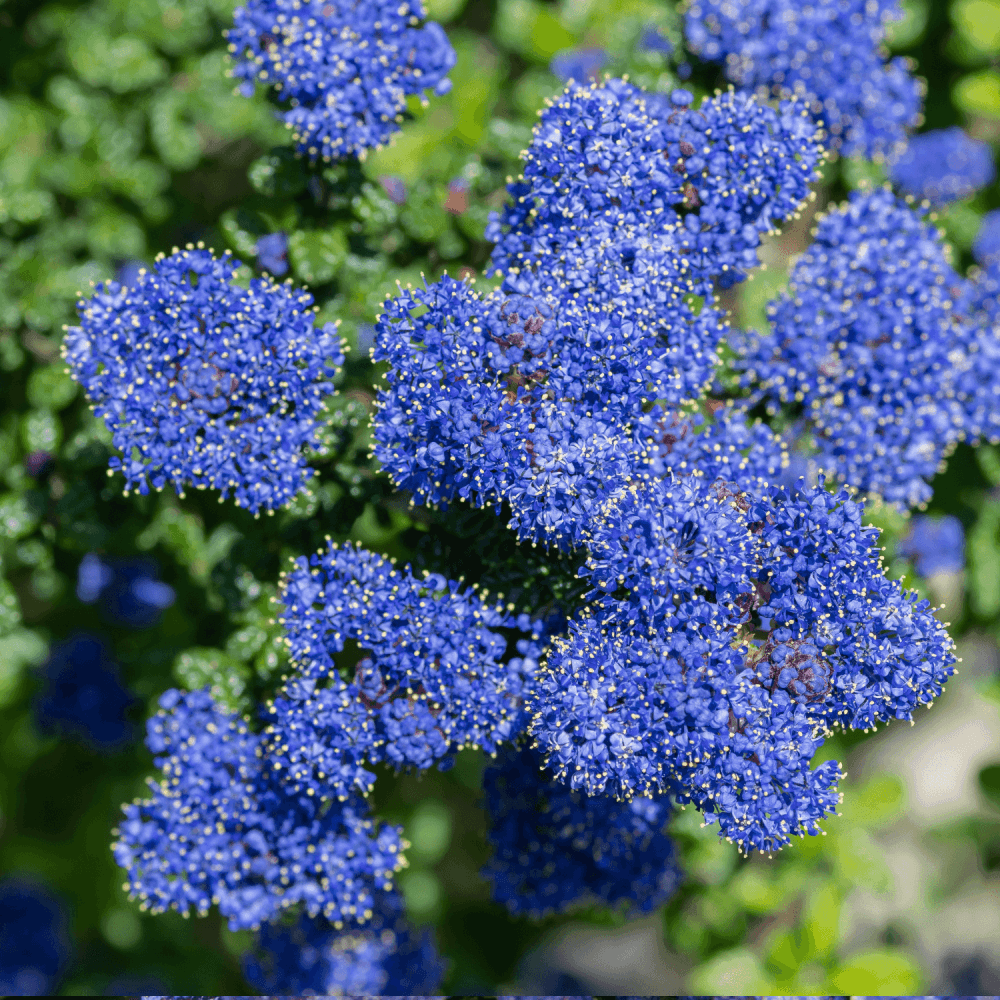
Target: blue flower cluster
[[222, 827], [312, 958], [127, 589], [944, 165], [732, 624], [535, 394], [203, 382], [730, 631], [829, 50], [344, 67], [555, 848], [435, 674], [34, 940], [83, 694], [867, 349], [734, 614]]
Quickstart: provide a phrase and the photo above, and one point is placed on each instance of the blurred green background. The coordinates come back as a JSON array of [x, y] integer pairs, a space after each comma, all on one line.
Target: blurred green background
[[120, 137]]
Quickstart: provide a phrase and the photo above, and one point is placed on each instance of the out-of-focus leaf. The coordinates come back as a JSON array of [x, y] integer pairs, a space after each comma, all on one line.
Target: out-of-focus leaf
[[736, 972], [317, 255], [979, 94], [979, 22], [879, 972], [200, 667]]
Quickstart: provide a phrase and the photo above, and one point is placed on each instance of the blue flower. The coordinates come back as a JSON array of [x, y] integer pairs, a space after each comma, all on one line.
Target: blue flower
[[436, 672], [869, 344], [34, 942], [128, 589], [653, 40], [581, 65], [83, 694], [382, 956], [935, 544], [395, 188], [829, 50], [555, 848], [344, 69], [222, 828], [943, 165], [128, 273], [729, 631], [620, 194], [986, 246], [203, 382], [272, 253]]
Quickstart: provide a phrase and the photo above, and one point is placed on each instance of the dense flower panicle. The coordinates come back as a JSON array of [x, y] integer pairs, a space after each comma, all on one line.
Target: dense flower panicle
[[537, 394], [34, 939], [830, 50], [730, 632], [935, 544], [320, 737], [555, 848], [203, 382], [222, 828], [311, 958], [344, 67], [944, 165], [127, 589], [986, 246], [621, 187], [506, 397], [435, 676], [867, 341], [84, 695]]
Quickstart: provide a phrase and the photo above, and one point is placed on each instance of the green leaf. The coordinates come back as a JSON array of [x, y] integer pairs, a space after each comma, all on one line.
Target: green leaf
[[737, 972], [280, 174], [123, 64], [444, 11], [983, 565], [114, 233], [821, 918], [878, 801], [10, 609], [176, 140], [424, 217], [879, 972], [17, 518], [979, 94], [41, 431], [200, 667], [22, 648], [241, 231], [317, 255], [51, 388], [532, 30], [909, 29], [859, 860], [989, 783], [246, 643], [979, 22]]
